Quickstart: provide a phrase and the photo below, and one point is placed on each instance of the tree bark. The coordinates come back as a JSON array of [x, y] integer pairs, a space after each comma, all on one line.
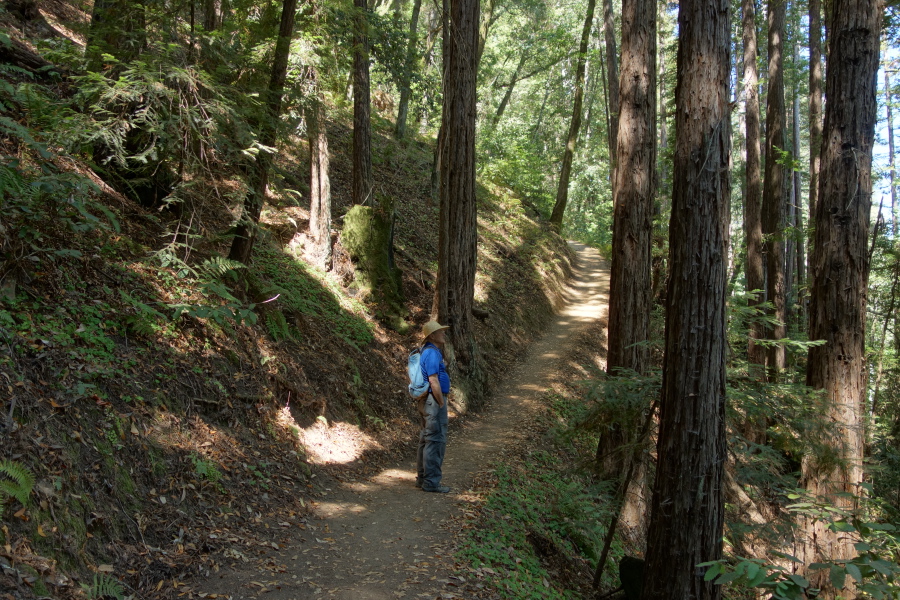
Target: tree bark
[[455, 291], [403, 108], [840, 268], [815, 104], [634, 191], [212, 15], [319, 185], [362, 132], [245, 234], [687, 514], [756, 353], [794, 267], [612, 75], [888, 102], [774, 188], [562, 191]]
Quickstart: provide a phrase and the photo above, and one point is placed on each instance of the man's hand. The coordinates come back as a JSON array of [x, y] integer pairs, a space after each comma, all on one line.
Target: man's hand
[[436, 389]]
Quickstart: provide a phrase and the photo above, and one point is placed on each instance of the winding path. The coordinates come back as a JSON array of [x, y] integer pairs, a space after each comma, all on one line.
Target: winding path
[[384, 539]]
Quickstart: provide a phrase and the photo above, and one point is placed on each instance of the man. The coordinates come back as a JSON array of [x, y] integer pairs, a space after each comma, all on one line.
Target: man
[[433, 410]]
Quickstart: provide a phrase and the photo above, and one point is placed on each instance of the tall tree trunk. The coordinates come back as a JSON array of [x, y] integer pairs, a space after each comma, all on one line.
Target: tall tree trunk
[[612, 77], [687, 514], [362, 132], [888, 102], [245, 234], [815, 105], [455, 291], [664, 176], [212, 15], [634, 191], [774, 188], [403, 109], [840, 269], [319, 184], [794, 271], [562, 191], [663, 186], [756, 353]]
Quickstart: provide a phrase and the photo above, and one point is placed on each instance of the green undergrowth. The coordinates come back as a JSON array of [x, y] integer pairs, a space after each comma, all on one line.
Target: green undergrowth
[[298, 287], [541, 527]]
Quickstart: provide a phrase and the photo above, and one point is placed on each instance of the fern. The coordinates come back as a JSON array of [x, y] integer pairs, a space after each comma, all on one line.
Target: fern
[[218, 266], [104, 586], [18, 481]]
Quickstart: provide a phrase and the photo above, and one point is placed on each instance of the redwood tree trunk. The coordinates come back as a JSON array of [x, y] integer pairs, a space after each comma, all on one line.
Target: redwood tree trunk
[[455, 292], [562, 191], [840, 266], [687, 514], [756, 353], [634, 191], [774, 187], [362, 133], [245, 234]]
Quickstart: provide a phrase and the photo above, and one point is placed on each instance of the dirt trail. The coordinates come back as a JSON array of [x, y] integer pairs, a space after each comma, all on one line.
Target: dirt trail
[[384, 539]]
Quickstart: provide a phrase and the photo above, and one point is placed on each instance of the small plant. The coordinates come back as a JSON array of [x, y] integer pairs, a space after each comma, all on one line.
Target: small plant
[[104, 586], [206, 469], [16, 482]]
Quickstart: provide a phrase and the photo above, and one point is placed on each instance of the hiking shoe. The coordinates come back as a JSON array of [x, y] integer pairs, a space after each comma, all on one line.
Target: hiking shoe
[[418, 483], [443, 489]]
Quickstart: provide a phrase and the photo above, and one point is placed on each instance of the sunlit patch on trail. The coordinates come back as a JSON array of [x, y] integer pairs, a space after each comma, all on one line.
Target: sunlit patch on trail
[[329, 443]]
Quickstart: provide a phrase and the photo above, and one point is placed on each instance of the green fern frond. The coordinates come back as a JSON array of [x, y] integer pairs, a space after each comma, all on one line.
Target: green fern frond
[[218, 266], [18, 483], [104, 586]]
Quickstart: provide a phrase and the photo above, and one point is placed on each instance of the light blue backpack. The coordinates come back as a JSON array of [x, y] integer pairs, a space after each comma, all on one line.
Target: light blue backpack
[[418, 384]]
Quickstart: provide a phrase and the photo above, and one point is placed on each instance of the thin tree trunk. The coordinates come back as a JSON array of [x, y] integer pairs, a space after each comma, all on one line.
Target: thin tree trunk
[[774, 188], [509, 90], [756, 353], [458, 220], [888, 102], [612, 74], [664, 177], [794, 271], [815, 105], [362, 132], [840, 271], [879, 371], [245, 234], [687, 514], [562, 191], [403, 109], [540, 117], [319, 184]]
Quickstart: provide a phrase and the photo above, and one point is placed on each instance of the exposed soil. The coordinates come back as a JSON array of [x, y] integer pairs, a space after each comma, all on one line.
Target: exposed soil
[[379, 537]]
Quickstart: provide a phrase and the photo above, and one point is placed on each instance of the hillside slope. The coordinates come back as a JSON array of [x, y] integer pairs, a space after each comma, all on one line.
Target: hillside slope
[[167, 404]]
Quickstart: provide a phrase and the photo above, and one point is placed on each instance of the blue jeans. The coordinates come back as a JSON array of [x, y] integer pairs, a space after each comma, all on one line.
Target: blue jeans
[[432, 443]]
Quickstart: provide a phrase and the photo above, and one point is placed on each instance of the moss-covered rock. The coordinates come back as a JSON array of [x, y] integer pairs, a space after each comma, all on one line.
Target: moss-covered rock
[[367, 236]]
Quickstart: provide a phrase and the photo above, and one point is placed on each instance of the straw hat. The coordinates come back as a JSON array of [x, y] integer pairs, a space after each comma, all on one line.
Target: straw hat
[[432, 326]]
